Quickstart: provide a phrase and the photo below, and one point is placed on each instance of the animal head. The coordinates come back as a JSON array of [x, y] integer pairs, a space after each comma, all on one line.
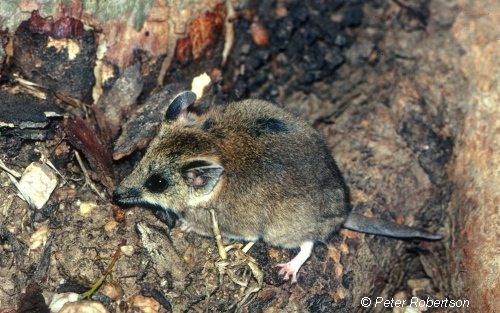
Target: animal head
[[180, 169]]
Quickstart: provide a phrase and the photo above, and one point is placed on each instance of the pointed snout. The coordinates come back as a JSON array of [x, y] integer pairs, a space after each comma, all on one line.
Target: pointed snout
[[125, 196]]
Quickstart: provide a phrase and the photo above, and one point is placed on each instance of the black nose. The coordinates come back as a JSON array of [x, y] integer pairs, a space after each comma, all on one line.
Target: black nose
[[127, 196]]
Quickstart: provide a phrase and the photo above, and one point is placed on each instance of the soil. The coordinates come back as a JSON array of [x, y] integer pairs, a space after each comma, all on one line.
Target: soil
[[367, 74]]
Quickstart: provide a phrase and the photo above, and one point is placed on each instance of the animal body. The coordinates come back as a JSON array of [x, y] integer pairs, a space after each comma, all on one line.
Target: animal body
[[267, 174]]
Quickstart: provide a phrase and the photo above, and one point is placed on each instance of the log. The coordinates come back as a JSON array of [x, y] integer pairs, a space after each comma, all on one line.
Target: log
[[474, 202]]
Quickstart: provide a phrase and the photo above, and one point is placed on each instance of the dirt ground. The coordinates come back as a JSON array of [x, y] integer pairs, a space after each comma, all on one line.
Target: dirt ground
[[378, 78]]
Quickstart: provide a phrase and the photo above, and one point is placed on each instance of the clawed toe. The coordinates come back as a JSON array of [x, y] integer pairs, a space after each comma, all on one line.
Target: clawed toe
[[287, 271], [291, 268]]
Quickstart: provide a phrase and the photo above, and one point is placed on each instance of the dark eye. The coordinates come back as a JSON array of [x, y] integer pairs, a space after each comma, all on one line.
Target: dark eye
[[156, 183]]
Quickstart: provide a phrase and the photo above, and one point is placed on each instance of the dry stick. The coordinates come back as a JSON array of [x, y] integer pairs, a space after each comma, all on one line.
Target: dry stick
[[27, 82], [31, 87], [106, 272], [12, 175], [248, 246], [26, 197], [218, 236], [88, 181], [55, 169], [6, 207], [46, 160], [8, 170]]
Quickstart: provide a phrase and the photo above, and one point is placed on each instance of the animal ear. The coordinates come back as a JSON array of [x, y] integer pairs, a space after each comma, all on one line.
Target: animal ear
[[202, 175], [177, 109]]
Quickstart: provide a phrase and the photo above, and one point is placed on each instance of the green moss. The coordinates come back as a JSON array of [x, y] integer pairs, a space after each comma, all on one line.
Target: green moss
[[131, 11], [134, 12], [47, 8], [7, 9]]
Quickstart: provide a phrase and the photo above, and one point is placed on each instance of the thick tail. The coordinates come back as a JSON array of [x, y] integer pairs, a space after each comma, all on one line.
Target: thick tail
[[368, 225]]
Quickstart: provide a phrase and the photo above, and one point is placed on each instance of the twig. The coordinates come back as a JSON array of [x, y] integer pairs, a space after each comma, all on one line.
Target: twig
[[88, 181], [31, 204], [27, 82], [47, 161], [12, 176], [105, 273], [8, 205], [248, 246], [218, 236], [8, 170]]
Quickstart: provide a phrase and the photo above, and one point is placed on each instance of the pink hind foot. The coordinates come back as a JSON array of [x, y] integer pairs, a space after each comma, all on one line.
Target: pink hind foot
[[185, 229], [291, 268]]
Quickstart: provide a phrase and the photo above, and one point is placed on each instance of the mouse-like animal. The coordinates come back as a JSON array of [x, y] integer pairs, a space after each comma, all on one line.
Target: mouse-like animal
[[266, 173]]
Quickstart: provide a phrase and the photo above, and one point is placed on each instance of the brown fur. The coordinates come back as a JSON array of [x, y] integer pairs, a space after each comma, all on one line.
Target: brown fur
[[267, 174], [279, 182]]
